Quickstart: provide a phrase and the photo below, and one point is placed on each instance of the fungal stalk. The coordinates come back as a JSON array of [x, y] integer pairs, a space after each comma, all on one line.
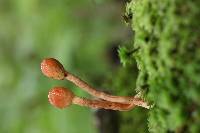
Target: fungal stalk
[[61, 97], [52, 68]]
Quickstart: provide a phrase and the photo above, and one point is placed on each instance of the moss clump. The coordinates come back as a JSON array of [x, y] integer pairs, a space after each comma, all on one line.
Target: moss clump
[[167, 34]]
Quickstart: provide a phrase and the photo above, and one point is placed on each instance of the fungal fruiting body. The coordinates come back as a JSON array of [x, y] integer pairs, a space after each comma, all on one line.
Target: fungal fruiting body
[[52, 68], [61, 97]]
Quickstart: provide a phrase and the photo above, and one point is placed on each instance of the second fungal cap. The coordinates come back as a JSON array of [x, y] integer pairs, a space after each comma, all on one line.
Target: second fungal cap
[[60, 97]]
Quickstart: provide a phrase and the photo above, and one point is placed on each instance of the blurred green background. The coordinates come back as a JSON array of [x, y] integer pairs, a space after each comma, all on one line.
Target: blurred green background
[[84, 35]]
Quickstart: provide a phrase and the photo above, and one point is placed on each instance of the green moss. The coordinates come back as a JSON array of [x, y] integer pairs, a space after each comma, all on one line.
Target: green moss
[[167, 34]]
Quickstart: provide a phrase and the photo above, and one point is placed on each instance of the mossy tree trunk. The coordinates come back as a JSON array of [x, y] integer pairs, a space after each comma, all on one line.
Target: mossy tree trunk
[[167, 34]]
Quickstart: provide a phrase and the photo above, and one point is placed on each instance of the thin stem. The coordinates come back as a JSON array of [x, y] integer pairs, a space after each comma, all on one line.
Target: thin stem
[[91, 90], [96, 104]]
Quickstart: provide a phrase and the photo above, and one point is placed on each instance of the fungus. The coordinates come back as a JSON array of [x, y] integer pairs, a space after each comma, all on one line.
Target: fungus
[[54, 69], [61, 97]]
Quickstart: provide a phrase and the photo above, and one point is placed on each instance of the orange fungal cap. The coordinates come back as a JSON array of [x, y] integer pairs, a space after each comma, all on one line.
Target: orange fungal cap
[[52, 68], [60, 97]]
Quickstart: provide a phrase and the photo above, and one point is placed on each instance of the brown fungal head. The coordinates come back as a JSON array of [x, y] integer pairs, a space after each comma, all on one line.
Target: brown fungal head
[[60, 97], [52, 68]]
